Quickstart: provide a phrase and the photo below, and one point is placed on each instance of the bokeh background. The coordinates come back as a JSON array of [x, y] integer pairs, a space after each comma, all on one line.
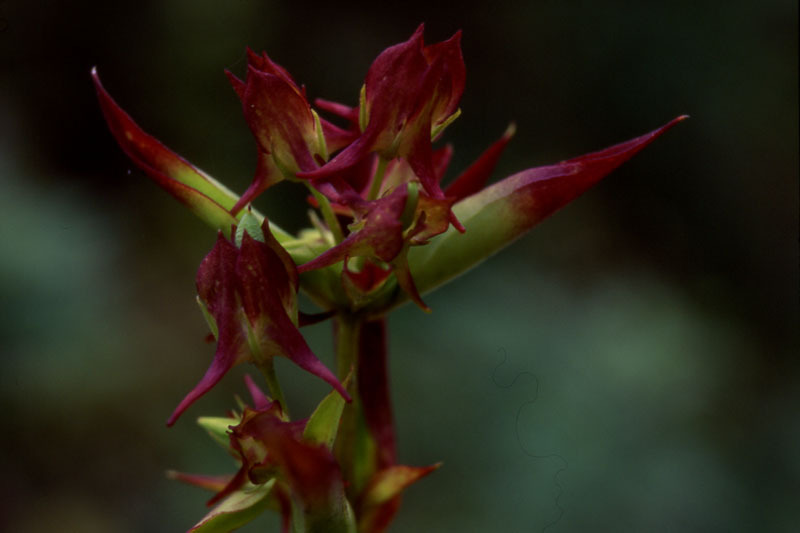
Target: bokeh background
[[630, 365]]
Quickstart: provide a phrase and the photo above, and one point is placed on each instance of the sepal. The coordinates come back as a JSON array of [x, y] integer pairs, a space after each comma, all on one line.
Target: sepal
[[500, 213]]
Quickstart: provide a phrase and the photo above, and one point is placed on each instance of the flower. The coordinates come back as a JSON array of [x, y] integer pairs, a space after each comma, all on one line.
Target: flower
[[250, 294], [411, 93], [291, 137]]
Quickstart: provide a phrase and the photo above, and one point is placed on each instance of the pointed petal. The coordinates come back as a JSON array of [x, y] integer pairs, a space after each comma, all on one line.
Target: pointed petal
[[352, 155], [381, 498], [263, 63], [261, 401], [441, 160], [204, 196], [237, 84], [310, 470], [340, 110], [336, 137], [306, 319], [262, 279], [237, 509], [451, 80], [224, 360], [403, 273], [381, 236], [216, 286], [212, 483], [280, 119], [475, 177], [323, 424], [499, 214]]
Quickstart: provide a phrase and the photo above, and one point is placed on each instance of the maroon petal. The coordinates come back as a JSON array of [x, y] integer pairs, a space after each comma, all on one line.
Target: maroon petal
[[381, 498], [531, 195], [475, 177], [451, 79], [336, 138], [406, 282], [261, 401], [340, 110], [311, 471], [207, 482], [170, 171], [280, 118], [216, 286], [260, 277], [344, 160], [306, 319], [381, 236], [263, 63]]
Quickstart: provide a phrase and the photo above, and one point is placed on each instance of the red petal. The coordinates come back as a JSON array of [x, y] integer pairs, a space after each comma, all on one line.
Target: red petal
[[170, 171], [381, 237], [216, 285], [259, 275], [260, 400], [475, 177], [534, 194], [213, 483], [451, 80]]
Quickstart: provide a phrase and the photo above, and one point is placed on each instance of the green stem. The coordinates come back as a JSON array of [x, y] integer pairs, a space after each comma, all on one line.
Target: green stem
[[347, 331], [377, 181], [267, 368], [327, 213]]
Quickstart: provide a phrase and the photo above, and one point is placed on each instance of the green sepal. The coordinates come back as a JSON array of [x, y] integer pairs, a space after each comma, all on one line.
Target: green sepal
[[363, 114], [218, 427], [238, 509], [322, 144], [323, 425], [438, 129], [210, 320], [251, 225]]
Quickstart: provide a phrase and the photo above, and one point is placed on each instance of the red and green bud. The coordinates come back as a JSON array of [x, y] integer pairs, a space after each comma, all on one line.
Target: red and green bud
[[501, 213]]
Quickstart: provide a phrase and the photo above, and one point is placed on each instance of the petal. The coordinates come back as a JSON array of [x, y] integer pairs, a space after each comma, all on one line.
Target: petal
[[237, 509], [204, 196], [212, 483], [260, 278], [393, 81], [310, 470], [381, 499], [216, 286], [475, 177], [451, 79], [381, 236], [340, 110], [260, 400], [403, 273], [501, 213], [280, 119]]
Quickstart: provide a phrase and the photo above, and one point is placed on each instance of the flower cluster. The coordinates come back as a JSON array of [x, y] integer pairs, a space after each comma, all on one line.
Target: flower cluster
[[386, 231]]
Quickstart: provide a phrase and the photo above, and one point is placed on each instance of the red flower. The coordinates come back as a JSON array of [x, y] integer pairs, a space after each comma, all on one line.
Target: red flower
[[411, 92], [251, 293]]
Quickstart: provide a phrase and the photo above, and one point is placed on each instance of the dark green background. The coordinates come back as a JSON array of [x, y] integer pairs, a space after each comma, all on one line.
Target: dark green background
[[654, 321]]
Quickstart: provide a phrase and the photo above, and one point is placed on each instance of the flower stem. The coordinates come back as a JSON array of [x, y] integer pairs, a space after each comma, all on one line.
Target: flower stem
[[267, 367], [377, 180], [327, 213]]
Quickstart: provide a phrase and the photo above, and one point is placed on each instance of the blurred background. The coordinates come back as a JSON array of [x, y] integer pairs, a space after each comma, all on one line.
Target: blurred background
[[630, 365]]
